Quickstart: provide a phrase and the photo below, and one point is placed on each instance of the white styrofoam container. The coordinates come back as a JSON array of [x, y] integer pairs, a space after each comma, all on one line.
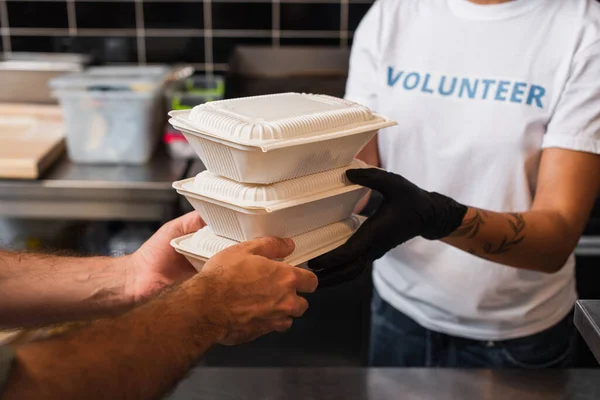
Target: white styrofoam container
[[242, 211], [200, 246], [266, 139]]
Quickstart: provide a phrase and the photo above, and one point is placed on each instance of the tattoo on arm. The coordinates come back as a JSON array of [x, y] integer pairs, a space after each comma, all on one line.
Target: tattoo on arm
[[517, 227], [471, 227]]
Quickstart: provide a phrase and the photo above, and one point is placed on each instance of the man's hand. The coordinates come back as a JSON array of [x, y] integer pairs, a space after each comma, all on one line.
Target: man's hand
[[250, 293], [39, 289], [240, 294], [405, 212], [156, 264]]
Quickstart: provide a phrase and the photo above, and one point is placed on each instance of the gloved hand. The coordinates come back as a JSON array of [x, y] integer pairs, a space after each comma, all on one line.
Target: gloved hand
[[405, 212]]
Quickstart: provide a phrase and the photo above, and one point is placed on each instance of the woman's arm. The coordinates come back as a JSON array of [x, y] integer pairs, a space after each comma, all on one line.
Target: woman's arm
[[540, 239], [543, 238]]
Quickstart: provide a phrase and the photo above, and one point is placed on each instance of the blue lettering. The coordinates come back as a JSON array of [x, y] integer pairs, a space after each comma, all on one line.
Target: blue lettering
[[426, 89], [536, 93], [465, 85], [502, 90], [517, 91], [469, 87], [486, 86], [391, 78], [416, 80], [441, 87]]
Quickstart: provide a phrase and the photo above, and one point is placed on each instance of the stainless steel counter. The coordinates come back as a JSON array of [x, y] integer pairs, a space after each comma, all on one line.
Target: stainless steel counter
[[97, 192], [587, 321], [390, 383]]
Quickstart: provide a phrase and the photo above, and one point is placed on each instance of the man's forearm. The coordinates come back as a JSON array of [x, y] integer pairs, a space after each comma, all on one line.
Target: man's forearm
[[137, 356], [39, 289], [534, 240]]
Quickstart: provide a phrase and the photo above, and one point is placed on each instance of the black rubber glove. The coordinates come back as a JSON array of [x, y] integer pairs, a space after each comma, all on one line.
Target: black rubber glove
[[405, 212]]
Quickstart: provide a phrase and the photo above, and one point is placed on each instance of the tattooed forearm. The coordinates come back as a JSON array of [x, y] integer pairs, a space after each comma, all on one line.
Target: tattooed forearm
[[477, 226], [470, 226], [536, 240], [517, 227]]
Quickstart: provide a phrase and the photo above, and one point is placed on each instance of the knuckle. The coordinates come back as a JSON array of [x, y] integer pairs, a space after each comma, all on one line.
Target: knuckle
[[303, 305], [230, 251], [223, 258], [263, 264], [300, 307], [284, 325], [291, 280], [289, 307]]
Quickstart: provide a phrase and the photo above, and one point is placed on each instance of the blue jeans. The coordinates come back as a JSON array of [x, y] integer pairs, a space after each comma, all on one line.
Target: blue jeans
[[398, 341]]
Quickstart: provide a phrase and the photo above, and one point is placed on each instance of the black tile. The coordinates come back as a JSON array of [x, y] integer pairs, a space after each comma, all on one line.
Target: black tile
[[173, 15], [328, 42], [98, 15], [45, 44], [37, 14], [223, 47], [174, 49], [107, 49], [301, 16], [241, 15], [356, 12]]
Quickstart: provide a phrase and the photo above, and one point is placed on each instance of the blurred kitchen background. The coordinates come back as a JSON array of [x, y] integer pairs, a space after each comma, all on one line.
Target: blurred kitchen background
[[92, 175], [203, 33]]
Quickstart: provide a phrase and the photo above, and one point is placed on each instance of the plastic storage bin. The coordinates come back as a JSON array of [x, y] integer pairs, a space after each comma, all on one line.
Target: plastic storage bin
[[186, 93], [112, 114], [243, 211], [183, 94], [267, 139], [202, 245]]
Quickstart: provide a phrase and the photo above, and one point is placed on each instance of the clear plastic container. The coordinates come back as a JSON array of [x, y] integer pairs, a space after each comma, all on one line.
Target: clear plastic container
[[202, 245], [112, 114], [186, 93], [241, 211], [267, 139]]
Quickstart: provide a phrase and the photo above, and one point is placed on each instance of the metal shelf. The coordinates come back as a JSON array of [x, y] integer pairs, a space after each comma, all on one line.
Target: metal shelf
[[97, 192]]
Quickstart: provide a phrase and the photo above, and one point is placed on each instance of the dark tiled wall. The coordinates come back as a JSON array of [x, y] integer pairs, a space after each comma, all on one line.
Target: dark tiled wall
[[202, 32]]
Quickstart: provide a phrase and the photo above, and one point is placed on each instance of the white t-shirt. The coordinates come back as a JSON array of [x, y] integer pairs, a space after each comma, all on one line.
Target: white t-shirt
[[478, 91]]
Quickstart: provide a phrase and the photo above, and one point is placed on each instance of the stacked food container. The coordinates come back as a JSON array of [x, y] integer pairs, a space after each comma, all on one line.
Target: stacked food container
[[275, 167]]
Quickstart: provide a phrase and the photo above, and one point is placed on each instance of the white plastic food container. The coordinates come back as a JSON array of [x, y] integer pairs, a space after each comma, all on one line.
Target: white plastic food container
[[200, 246], [242, 211], [266, 139], [112, 114]]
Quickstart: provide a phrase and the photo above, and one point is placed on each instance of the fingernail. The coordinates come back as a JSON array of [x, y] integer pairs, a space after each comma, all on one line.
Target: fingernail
[[289, 242]]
